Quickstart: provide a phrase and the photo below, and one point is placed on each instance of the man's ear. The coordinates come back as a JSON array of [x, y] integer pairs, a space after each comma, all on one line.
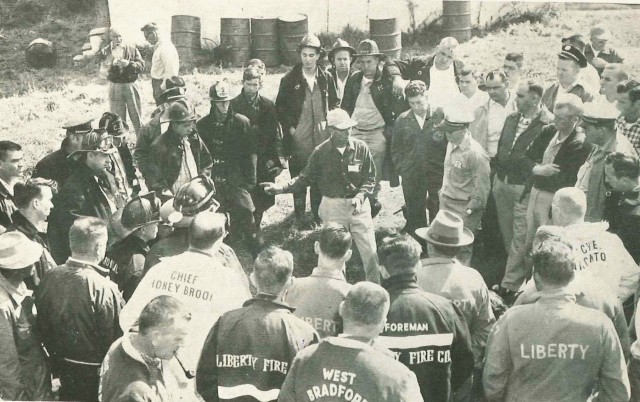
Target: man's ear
[[341, 309], [316, 247]]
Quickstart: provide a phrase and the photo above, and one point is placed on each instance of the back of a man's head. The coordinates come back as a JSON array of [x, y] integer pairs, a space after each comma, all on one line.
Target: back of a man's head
[[162, 312], [549, 232], [554, 263], [205, 229], [272, 270], [24, 193], [569, 206], [88, 238], [366, 305], [399, 254], [335, 241]]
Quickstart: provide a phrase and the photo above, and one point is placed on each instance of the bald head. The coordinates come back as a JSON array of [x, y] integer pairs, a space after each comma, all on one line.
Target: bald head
[[569, 206], [206, 229], [366, 305]]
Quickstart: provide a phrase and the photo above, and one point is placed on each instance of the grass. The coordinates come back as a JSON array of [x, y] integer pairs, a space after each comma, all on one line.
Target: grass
[[37, 103]]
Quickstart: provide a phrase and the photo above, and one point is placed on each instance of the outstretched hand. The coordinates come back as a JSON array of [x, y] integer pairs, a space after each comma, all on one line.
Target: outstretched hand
[[269, 188]]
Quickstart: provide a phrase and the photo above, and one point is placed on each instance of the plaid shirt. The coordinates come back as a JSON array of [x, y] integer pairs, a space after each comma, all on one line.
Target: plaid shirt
[[629, 130]]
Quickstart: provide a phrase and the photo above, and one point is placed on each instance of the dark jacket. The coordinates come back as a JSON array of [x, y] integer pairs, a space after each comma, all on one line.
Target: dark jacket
[[233, 146], [419, 151], [163, 163], [417, 68], [78, 312], [129, 73], [433, 326], [126, 259], [46, 262], [56, 166], [7, 207], [508, 160], [291, 96], [381, 93], [264, 329], [551, 94], [608, 54], [80, 196], [142, 154], [572, 154]]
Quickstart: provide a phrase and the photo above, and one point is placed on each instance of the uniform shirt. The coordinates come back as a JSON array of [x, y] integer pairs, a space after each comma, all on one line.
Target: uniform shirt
[[249, 351], [338, 175], [366, 112], [348, 369], [631, 130], [207, 288], [317, 299], [165, 62], [573, 348], [466, 173], [465, 287]]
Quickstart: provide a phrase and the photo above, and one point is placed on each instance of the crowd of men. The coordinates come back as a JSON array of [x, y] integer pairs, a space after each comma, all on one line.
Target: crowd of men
[[119, 279]]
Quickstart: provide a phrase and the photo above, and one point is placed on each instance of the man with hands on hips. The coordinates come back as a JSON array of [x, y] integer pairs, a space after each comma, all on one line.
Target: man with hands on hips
[[343, 170]]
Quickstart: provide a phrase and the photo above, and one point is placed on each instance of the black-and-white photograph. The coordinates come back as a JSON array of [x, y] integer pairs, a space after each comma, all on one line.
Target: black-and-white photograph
[[319, 200]]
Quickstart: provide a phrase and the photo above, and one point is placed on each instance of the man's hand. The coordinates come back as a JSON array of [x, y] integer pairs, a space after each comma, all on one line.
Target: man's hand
[[398, 85], [357, 205], [270, 188], [546, 170]]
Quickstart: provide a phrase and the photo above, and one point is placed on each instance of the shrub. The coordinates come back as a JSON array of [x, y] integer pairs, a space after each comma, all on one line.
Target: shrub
[[349, 33]]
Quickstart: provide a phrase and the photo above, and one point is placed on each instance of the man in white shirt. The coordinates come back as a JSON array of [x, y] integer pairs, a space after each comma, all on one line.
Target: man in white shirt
[[341, 56], [512, 67], [165, 62], [468, 81]]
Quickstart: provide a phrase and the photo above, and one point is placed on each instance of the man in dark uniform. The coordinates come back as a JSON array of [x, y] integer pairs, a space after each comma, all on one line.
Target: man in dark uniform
[[11, 167], [90, 191], [305, 96], [369, 100], [134, 227], [57, 166], [261, 113], [234, 148], [418, 151], [177, 155]]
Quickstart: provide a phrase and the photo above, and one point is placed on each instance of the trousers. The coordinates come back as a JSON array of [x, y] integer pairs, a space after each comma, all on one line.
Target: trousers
[[360, 225], [414, 189], [79, 382], [471, 221], [377, 144], [300, 197], [125, 98], [512, 220], [156, 83]]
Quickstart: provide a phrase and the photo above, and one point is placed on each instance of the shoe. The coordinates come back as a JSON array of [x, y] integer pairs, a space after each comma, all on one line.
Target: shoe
[[376, 207], [508, 296]]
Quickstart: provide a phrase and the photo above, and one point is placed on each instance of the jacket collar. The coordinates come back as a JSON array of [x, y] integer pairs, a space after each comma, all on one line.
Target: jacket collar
[[318, 272], [24, 225], [346, 341], [401, 282], [350, 146], [4, 191], [296, 71], [438, 261], [72, 262], [268, 300], [557, 296], [465, 144]]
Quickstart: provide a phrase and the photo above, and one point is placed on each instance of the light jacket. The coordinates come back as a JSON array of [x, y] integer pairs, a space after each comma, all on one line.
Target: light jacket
[[550, 95], [249, 351], [603, 254], [574, 349], [346, 368], [428, 334], [205, 286]]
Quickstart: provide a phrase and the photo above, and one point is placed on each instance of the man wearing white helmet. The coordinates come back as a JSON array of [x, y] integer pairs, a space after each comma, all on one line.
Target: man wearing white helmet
[[343, 169]]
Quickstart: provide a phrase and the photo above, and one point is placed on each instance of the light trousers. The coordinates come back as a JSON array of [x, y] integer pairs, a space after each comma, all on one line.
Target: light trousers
[[125, 98]]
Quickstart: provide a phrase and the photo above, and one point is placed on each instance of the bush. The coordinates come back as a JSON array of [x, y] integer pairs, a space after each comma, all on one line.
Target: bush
[[76, 5], [519, 12], [352, 35]]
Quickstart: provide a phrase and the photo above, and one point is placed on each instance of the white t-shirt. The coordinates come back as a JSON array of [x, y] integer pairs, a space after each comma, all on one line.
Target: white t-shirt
[[442, 86]]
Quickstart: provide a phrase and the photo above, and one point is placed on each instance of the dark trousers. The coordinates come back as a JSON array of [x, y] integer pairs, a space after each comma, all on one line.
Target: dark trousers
[[414, 189], [300, 197], [634, 379], [79, 382], [155, 85]]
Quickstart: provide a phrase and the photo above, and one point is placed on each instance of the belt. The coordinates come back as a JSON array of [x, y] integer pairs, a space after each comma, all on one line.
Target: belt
[[369, 130], [81, 362], [455, 199]]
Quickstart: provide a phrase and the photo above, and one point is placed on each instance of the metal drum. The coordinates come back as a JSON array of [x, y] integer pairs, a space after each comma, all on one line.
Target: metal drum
[[264, 41], [456, 19], [386, 33], [291, 30], [235, 38], [185, 35]]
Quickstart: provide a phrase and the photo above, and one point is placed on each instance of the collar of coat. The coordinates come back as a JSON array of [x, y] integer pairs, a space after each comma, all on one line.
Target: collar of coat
[[401, 282], [267, 299], [296, 72], [24, 225], [73, 263]]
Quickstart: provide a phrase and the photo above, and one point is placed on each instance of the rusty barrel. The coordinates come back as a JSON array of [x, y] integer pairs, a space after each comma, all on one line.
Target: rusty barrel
[[235, 36], [456, 20], [291, 29], [185, 35], [386, 33], [264, 40]]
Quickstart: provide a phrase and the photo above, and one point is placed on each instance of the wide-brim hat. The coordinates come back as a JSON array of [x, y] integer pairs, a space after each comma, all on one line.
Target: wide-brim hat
[[369, 47], [113, 124], [191, 198], [97, 140], [220, 91], [446, 230], [570, 52], [141, 211], [179, 111], [341, 44], [17, 251], [312, 41]]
